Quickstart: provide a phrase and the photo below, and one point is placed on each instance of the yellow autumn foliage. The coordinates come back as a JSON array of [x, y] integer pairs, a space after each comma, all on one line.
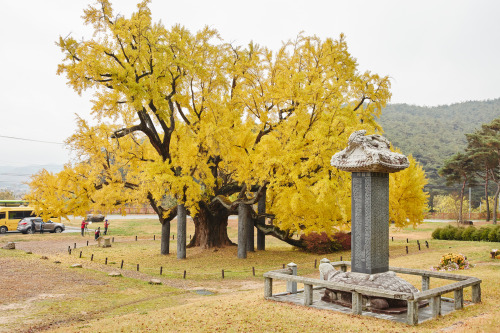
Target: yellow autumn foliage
[[407, 198], [187, 117]]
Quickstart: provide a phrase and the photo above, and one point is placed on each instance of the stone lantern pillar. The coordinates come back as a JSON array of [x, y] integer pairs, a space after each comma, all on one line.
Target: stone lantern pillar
[[370, 160]]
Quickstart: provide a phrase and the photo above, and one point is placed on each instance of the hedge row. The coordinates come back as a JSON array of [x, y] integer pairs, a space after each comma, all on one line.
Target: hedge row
[[487, 234]]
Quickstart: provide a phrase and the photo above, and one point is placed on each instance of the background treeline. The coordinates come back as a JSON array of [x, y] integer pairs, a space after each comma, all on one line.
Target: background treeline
[[433, 134]]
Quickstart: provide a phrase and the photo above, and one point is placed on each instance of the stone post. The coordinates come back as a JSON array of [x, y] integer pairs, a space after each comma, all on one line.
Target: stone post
[[308, 294], [436, 306], [357, 303], [476, 293], [291, 286], [459, 298], [370, 160], [426, 282], [412, 313], [323, 261], [181, 231], [268, 287]]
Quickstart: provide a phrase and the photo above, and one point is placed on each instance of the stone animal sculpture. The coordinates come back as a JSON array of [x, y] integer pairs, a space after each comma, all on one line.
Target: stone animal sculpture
[[384, 281], [369, 153]]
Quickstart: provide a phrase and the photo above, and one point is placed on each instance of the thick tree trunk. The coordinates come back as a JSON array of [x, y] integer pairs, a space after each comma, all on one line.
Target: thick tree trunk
[[250, 233], [165, 224], [488, 215], [243, 222], [165, 236], [495, 207], [211, 227], [261, 210], [460, 217], [181, 232]]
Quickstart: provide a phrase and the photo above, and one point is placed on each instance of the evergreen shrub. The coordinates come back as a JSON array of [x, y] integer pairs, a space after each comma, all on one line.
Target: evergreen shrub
[[435, 233], [492, 236], [476, 235], [447, 233], [457, 235], [485, 234], [467, 234]]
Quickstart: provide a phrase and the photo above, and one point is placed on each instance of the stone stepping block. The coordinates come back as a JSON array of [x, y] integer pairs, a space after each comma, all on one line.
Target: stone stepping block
[[76, 266], [57, 262], [44, 257], [10, 246], [154, 281], [203, 292], [115, 274]]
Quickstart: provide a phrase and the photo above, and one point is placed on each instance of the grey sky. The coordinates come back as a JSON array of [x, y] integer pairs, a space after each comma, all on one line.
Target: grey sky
[[436, 52]]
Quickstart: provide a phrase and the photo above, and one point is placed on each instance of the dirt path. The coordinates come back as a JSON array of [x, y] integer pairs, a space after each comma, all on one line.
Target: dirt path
[[28, 280]]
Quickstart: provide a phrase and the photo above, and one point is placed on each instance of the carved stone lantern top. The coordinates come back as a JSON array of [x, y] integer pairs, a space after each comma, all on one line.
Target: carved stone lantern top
[[369, 153]]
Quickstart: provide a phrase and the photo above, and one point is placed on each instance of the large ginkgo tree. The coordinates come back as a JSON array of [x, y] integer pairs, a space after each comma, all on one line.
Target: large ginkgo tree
[[183, 118]]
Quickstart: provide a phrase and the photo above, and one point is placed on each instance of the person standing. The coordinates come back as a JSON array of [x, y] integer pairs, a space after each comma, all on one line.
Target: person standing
[[84, 224], [106, 224], [33, 227], [41, 227], [97, 233]]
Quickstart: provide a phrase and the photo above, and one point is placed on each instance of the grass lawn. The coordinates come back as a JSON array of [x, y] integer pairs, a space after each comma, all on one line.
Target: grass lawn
[[40, 294]]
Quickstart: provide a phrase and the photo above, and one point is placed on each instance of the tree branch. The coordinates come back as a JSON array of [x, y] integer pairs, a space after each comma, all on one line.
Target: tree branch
[[125, 131]]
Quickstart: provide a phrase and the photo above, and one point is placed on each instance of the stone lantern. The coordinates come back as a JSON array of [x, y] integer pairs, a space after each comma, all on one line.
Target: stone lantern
[[370, 160]]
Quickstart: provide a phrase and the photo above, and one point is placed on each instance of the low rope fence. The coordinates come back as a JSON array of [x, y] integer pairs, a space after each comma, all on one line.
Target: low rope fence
[[164, 271]]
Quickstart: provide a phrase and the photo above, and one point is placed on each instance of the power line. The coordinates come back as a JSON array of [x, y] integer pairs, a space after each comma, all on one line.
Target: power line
[[32, 140]]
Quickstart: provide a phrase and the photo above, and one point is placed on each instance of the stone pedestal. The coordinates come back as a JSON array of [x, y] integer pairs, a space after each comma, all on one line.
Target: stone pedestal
[[370, 222]]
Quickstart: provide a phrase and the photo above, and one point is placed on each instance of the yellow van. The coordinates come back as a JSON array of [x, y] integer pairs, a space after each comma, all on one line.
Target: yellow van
[[10, 217]]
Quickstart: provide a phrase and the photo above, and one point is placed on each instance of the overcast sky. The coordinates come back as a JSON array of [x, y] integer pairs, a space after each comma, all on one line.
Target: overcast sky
[[436, 52]]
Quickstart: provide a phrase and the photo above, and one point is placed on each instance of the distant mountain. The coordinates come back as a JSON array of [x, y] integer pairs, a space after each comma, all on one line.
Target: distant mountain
[[14, 178], [433, 134], [430, 134]]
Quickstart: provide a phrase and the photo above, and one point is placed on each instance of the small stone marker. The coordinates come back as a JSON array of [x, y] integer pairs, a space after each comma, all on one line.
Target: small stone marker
[[44, 257], [204, 292], [154, 281], [115, 274], [10, 246], [76, 266]]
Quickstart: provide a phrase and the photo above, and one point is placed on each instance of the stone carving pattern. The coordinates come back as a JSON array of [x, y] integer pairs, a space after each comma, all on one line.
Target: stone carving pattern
[[380, 220], [357, 214], [367, 223], [370, 153], [386, 281]]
